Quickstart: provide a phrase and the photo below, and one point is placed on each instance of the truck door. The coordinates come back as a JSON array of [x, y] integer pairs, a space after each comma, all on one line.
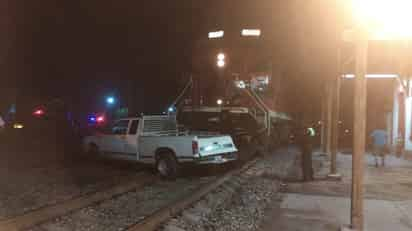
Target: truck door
[[131, 144], [115, 140]]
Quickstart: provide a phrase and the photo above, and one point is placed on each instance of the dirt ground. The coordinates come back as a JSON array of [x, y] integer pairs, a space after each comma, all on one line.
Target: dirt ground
[[31, 180], [324, 205], [392, 182]]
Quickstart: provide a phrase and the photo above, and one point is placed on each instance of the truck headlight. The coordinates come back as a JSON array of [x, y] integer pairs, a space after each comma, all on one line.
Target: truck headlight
[[18, 126]]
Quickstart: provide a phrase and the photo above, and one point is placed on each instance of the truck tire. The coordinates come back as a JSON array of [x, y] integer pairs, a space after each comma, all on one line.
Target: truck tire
[[166, 166]]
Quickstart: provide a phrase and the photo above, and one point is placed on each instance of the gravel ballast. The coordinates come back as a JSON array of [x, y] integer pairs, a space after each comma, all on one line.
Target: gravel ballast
[[123, 211], [239, 204], [28, 189]]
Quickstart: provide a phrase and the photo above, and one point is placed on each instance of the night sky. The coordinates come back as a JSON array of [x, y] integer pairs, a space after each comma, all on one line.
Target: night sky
[[82, 51]]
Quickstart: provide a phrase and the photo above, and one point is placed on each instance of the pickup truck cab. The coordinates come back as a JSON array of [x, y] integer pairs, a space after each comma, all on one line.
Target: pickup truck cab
[[156, 140]]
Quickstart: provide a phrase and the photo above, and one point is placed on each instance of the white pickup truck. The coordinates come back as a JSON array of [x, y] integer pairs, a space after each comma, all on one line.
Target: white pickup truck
[[156, 140]]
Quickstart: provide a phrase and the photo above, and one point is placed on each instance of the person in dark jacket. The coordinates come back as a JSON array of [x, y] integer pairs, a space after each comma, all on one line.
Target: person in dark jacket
[[305, 136]]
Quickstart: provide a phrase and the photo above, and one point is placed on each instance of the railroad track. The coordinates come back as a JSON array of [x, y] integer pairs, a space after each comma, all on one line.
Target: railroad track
[[47, 213], [153, 221], [148, 222]]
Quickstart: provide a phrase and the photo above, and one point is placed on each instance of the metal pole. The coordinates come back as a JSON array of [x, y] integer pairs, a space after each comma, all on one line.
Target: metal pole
[[359, 137]]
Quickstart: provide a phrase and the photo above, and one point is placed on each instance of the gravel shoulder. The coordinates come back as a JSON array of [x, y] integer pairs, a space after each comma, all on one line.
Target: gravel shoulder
[[125, 210], [241, 203], [26, 186]]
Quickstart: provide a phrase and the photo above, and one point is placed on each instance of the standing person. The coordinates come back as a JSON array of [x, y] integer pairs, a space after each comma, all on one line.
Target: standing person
[[379, 137], [2, 123], [305, 144]]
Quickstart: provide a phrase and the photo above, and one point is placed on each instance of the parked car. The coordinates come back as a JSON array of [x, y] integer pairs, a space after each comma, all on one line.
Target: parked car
[[156, 140]]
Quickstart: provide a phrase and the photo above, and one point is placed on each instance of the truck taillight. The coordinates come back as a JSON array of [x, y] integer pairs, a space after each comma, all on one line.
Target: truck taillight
[[195, 147]]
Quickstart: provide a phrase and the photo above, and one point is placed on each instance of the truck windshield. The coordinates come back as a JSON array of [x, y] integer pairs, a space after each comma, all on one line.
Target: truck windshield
[[216, 122], [201, 121]]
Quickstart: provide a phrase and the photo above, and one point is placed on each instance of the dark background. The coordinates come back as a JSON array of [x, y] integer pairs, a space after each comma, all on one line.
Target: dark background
[[82, 51]]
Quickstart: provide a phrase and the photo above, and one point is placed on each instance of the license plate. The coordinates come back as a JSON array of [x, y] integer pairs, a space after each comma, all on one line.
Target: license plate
[[218, 158]]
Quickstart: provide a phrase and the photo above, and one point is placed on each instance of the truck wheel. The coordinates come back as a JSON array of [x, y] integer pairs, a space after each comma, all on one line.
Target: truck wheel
[[166, 166]]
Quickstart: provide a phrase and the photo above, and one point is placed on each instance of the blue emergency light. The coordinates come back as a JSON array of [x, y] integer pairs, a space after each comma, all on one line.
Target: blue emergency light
[[92, 119]]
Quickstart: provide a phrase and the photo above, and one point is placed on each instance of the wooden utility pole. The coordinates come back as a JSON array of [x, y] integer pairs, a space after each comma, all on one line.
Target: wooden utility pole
[[323, 121], [359, 131], [335, 117], [329, 105]]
